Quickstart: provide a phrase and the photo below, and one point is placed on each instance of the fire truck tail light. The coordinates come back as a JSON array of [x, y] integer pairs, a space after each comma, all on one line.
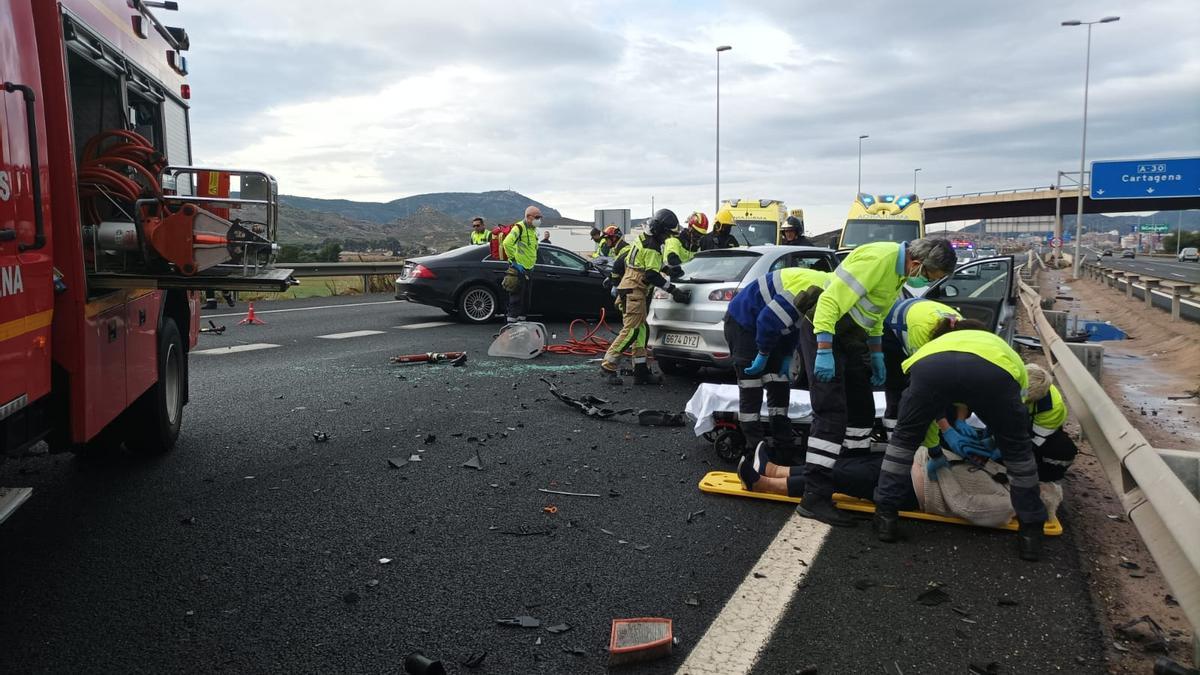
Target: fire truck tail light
[[185, 91]]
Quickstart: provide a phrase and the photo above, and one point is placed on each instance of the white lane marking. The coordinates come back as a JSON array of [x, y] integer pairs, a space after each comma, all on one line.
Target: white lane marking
[[427, 324], [351, 334], [304, 309], [254, 346], [734, 639], [1176, 274]]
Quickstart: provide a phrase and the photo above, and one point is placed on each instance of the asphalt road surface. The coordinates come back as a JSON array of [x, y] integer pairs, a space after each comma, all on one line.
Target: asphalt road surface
[[253, 548], [1163, 268]]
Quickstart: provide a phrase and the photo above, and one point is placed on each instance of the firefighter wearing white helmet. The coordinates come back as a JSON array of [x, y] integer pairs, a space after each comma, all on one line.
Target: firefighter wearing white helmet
[[722, 234]]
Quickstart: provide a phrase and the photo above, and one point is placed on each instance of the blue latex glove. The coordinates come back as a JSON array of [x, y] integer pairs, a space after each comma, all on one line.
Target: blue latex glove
[[823, 366], [519, 268], [785, 368], [960, 442], [962, 427], [757, 366], [932, 466], [979, 454], [878, 369]]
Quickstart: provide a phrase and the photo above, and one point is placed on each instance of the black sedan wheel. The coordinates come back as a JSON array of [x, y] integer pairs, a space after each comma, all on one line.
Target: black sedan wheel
[[477, 304]]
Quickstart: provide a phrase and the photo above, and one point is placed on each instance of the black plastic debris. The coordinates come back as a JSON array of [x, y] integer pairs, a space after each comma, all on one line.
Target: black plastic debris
[[586, 405], [990, 668], [1165, 666], [864, 584], [419, 664], [692, 600], [214, 329], [693, 515], [397, 462], [933, 596], [520, 622], [320, 436], [1153, 639], [476, 462], [558, 628], [759, 575], [575, 651], [430, 438], [350, 597], [1129, 565], [473, 660], [1007, 602], [660, 418]]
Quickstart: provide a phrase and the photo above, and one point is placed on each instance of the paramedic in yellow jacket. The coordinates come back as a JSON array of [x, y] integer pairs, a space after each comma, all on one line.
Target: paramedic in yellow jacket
[[840, 371], [977, 369], [520, 248], [639, 270], [910, 323], [1052, 447]]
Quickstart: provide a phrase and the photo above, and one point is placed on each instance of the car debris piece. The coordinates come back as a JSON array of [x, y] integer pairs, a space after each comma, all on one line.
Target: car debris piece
[[414, 457], [320, 436], [636, 640], [1129, 565], [585, 404], [1007, 602], [932, 596], [397, 462], [474, 659], [575, 651], [419, 664], [569, 494], [660, 418], [430, 438], [214, 329], [520, 621], [558, 628], [692, 600], [453, 358], [693, 515], [1165, 666], [476, 462], [990, 668], [384, 561]]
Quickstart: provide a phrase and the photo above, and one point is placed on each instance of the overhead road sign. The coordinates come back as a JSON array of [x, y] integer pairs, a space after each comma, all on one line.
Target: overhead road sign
[[1154, 228], [1146, 178]]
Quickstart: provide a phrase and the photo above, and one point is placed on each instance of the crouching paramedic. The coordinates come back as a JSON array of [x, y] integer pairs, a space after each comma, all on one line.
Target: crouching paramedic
[[761, 328], [978, 369], [909, 325], [1052, 447], [842, 350], [639, 270]]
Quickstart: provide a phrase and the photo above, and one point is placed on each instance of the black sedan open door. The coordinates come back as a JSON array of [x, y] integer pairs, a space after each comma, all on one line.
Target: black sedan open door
[[982, 289]]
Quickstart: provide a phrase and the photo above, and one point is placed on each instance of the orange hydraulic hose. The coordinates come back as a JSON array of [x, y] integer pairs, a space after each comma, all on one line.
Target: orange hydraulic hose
[[589, 344]]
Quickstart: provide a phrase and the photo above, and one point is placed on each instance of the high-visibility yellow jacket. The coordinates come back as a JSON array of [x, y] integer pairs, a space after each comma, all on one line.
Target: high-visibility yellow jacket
[[642, 264], [981, 343], [913, 320], [865, 286], [673, 246], [521, 244], [479, 237], [1048, 414]]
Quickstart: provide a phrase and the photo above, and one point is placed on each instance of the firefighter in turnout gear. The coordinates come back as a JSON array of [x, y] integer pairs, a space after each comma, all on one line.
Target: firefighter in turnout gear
[[977, 369], [639, 270], [617, 248], [792, 233], [844, 358], [761, 328], [683, 246], [722, 234]]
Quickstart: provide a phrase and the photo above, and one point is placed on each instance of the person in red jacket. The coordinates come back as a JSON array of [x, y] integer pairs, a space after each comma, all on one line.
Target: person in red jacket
[[498, 234]]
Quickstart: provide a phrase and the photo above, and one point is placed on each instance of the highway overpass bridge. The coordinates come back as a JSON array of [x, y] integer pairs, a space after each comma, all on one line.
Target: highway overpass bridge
[[1025, 202]]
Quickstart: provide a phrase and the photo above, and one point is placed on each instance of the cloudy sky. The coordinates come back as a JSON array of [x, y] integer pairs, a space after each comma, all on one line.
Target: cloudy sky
[[588, 104]]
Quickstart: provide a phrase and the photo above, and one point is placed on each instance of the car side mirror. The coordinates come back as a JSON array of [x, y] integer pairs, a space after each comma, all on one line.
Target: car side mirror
[[950, 291]]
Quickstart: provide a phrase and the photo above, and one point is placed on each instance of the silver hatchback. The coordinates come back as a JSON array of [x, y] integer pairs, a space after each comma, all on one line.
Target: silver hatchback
[[686, 337]]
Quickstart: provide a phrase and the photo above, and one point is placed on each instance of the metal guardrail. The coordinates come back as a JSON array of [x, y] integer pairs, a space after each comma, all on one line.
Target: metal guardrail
[[1165, 513], [343, 269], [1174, 290], [1008, 191]]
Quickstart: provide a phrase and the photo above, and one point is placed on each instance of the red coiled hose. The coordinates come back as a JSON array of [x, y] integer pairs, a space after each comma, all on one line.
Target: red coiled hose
[[126, 170], [589, 344]]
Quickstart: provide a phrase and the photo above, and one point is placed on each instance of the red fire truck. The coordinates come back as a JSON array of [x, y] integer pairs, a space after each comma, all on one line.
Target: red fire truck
[[107, 231]]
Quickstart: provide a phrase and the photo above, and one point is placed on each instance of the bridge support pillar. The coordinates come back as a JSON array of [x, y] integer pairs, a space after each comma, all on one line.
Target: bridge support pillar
[[1091, 355]]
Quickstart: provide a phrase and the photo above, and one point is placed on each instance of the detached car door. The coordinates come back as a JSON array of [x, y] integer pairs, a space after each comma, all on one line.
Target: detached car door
[[983, 289]]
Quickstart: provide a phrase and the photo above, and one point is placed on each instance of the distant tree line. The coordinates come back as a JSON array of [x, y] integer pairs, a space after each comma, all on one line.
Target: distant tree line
[[1189, 239], [329, 249]]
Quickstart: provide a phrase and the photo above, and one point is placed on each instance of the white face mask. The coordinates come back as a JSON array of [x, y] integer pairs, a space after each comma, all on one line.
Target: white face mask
[[537, 222]]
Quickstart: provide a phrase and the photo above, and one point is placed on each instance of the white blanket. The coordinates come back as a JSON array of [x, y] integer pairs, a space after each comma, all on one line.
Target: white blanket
[[710, 398]]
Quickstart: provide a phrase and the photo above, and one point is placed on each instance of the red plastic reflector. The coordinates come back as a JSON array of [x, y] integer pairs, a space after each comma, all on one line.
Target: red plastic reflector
[[722, 294], [185, 91], [421, 272]]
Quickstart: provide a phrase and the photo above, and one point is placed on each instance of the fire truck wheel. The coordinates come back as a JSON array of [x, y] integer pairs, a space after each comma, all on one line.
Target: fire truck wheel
[[155, 418]]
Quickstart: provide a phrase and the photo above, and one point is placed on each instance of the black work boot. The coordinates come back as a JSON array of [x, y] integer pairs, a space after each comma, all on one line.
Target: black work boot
[[820, 507], [611, 376], [643, 375], [1029, 541], [887, 524]]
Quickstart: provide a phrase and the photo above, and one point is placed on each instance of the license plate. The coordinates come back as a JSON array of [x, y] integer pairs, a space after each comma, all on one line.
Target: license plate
[[681, 340]]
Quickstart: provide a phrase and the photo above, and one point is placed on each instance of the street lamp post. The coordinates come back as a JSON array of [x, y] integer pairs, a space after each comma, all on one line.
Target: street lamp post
[[717, 199], [1087, 67], [860, 140], [915, 180], [948, 190]]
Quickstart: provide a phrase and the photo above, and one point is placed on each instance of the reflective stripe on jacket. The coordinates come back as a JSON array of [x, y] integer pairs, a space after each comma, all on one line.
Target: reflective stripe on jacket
[[912, 320], [981, 343], [521, 244], [767, 305], [1048, 414], [865, 286], [480, 237]]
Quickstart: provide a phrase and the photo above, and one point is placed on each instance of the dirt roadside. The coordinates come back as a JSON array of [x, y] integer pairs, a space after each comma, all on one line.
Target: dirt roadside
[[1160, 359]]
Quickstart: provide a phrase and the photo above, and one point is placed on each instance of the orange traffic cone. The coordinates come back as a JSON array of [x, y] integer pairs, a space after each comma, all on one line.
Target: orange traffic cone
[[251, 318]]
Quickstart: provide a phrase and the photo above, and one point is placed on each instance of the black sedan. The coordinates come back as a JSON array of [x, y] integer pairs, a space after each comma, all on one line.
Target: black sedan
[[465, 283]]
